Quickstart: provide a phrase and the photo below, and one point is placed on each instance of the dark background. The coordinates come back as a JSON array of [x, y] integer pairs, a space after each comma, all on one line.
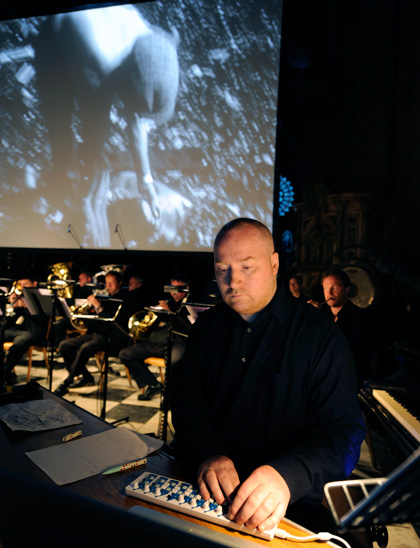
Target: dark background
[[349, 119]]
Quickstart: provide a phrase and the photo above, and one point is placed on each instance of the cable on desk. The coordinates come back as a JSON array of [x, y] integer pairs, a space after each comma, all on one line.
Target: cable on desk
[[323, 537]]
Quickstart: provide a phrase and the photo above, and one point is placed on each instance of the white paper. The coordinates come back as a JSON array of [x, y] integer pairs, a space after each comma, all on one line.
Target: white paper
[[37, 415], [85, 457]]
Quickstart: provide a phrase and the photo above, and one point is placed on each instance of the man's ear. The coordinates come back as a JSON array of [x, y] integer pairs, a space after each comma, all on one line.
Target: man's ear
[[275, 262]]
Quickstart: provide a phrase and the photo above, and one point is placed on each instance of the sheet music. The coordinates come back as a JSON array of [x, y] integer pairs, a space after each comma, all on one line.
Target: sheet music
[[86, 457]]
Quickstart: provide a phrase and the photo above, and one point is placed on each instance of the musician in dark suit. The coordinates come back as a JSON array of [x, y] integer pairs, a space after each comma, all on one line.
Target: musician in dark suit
[[358, 324], [264, 402], [133, 356], [27, 330], [77, 351]]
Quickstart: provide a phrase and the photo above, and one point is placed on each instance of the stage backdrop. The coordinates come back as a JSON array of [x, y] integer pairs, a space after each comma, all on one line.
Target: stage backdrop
[[137, 127]]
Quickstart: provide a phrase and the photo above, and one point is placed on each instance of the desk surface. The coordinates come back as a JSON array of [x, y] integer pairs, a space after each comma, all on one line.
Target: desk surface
[[108, 489]]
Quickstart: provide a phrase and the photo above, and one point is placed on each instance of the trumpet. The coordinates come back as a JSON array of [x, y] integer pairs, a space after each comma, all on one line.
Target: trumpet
[[85, 309], [16, 289]]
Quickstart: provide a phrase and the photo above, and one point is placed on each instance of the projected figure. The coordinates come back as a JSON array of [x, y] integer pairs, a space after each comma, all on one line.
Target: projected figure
[[102, 58]]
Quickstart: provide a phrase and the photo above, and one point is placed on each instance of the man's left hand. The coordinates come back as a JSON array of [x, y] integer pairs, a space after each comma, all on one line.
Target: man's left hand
[[262, 499]]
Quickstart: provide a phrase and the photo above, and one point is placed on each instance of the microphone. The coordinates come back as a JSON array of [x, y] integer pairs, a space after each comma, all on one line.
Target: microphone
[[118, 230], [74, 235]]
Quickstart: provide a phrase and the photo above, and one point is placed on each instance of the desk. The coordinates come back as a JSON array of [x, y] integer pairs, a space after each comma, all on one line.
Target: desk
[[105, 489]]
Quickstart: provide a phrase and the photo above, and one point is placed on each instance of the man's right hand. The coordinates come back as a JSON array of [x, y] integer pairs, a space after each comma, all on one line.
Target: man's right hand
[[218, 478], [316, 304]]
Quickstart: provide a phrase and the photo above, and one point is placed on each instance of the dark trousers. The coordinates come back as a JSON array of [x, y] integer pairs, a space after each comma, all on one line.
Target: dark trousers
[[133, 358], [77, 351], [22, 339]]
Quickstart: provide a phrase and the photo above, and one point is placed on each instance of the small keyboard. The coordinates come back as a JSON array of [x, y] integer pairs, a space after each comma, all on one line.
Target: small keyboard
[[184, 497]]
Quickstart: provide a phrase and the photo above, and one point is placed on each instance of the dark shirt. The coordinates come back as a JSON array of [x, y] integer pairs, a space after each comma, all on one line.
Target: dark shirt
[[82, 292], [279, 391], [359, 328], [36, 324], [117, 332]]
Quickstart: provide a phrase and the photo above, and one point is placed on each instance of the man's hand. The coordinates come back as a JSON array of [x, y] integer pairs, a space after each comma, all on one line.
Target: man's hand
[[262, 500], [217, 477], [94, 301], [164, 305]]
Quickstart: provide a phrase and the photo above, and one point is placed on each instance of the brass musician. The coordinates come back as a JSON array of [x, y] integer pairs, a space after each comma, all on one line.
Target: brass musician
[[27, 330]]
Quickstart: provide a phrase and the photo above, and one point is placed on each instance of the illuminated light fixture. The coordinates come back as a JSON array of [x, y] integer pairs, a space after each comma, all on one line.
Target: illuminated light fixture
[[286, 196]]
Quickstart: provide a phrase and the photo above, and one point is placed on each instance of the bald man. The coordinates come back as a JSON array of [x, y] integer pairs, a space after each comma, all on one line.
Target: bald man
[[265, 402]]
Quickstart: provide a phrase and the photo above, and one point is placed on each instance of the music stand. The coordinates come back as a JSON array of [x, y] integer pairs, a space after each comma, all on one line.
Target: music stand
[[393, 499], [42, 301], [105, 326], [180, 325]]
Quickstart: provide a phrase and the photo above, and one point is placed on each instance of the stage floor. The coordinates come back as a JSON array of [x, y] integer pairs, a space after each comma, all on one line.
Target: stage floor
[[121, 400]]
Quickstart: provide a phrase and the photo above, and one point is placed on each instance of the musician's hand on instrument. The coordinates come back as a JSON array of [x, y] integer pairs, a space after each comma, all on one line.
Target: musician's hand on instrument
[[218, 478], [93, 301], [262, 499], [17, 301], [164, 305]]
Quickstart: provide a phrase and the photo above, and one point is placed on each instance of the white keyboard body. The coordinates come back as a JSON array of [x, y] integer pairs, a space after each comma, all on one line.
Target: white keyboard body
[[184, 497]]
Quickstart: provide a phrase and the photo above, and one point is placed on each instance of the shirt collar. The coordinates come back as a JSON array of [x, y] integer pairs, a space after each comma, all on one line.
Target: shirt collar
[[276, 307]]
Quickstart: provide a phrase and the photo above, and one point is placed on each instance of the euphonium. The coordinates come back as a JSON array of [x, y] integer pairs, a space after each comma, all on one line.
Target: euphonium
[[61, 273], [140, 323]]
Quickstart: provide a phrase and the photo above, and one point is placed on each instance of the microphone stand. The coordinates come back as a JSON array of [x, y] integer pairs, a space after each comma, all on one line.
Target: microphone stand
[[74, 235], [118, 230]]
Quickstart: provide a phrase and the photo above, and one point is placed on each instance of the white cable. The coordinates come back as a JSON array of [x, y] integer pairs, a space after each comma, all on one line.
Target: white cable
[[323, 537]]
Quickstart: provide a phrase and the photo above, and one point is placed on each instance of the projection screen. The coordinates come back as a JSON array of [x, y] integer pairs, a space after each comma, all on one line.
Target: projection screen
[[144, 126]]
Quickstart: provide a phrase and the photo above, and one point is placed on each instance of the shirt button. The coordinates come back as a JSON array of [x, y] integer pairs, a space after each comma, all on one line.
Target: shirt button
[[249, 330], [244, 360]]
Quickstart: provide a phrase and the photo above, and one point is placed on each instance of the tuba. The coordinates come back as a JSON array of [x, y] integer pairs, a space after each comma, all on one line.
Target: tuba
[[140, 323], [99, 276], [58, 278]]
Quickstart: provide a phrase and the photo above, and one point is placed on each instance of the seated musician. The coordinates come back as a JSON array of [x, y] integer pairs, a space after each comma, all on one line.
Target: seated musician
[[77, 351], [27, 330], [133, 356], [264, 403]]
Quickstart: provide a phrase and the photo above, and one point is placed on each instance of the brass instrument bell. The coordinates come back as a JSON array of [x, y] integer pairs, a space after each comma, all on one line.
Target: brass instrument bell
[[140, 323], [58, 278]]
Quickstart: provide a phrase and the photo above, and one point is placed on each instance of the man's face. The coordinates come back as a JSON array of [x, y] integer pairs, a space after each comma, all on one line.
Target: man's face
[[335, 291], [133, 283], [26, 282], [246, 267], [112, 285], [179, 295], [294, 287], [84, 279]]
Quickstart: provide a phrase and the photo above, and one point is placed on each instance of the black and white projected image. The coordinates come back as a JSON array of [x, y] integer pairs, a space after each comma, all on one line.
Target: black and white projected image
[[145, 126]]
